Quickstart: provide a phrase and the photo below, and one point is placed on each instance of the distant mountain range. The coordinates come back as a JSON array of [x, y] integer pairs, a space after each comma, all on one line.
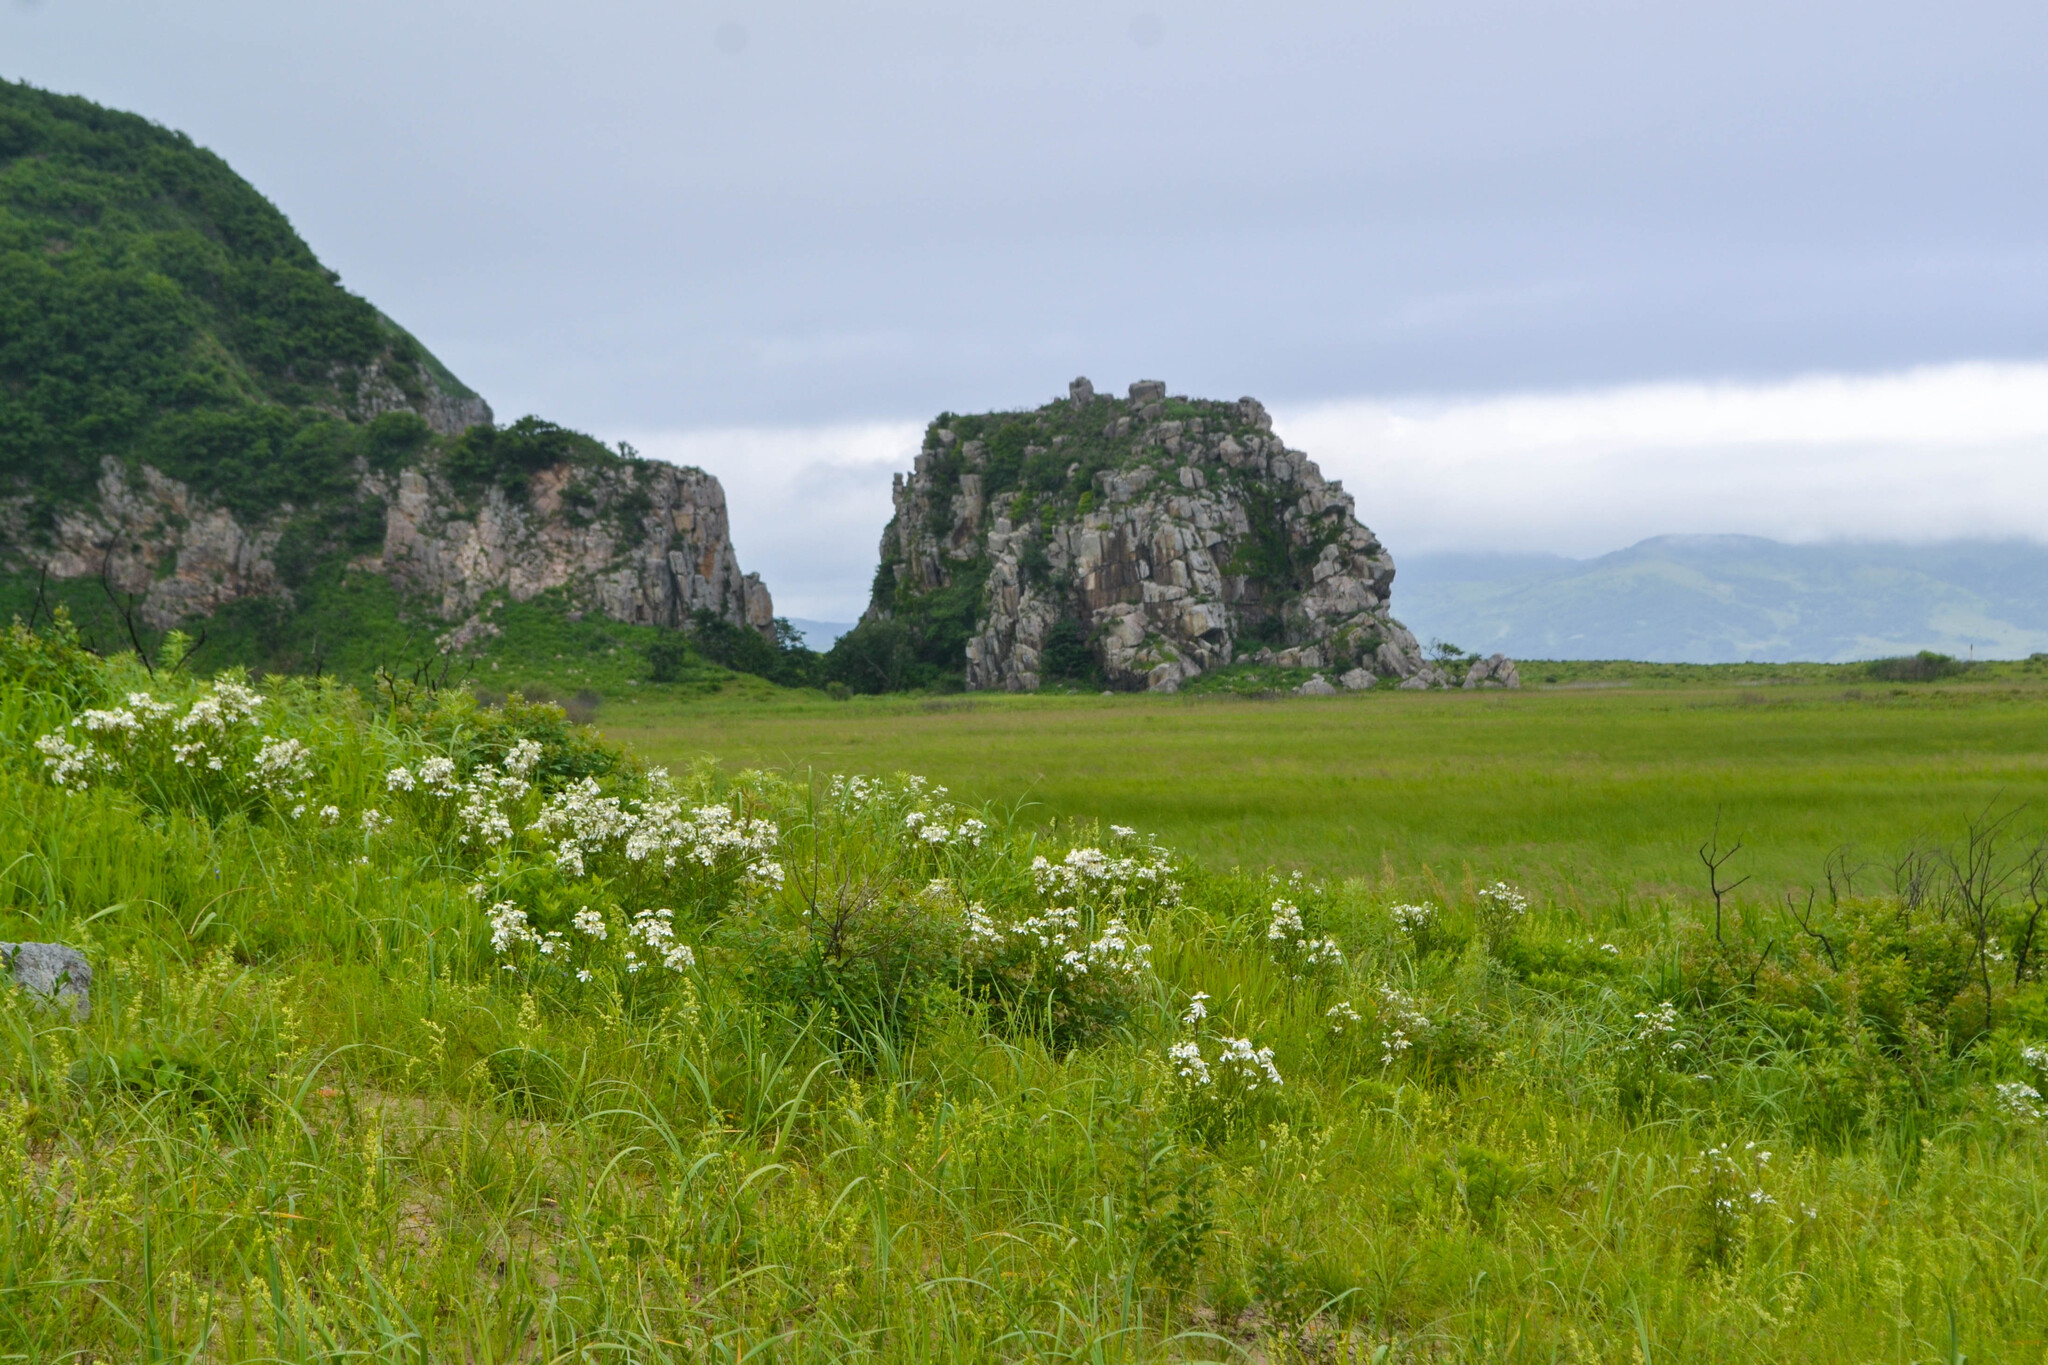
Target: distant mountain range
[[1731, 599]]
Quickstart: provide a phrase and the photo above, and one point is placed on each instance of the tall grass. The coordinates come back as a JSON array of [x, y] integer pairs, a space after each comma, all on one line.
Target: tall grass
[[314, 1116]]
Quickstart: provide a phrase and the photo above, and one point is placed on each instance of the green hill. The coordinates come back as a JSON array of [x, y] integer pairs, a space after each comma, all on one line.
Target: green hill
[[155, 308], [200, 428]]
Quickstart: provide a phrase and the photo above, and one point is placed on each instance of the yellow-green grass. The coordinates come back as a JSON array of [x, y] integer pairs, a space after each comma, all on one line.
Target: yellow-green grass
[[1598, 791]]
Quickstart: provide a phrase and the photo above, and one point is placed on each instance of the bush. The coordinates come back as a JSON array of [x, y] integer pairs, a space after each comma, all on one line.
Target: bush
[[1926, 666]]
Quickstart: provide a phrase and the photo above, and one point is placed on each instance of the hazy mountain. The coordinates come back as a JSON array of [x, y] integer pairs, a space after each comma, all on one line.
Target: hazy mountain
[[1722, 599]]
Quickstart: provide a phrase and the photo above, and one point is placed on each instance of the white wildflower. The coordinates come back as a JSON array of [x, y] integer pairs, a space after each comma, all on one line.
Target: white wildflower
[[523, 758], [69, 764], [1341, 1016], [590, 922], [1252, 1065], [280, 762], [1197, 1010], [2020, 1100], [509, 927], [1188, 1063], [1413, 919], [400, 779], [1286, 923], [437, 775], [1402, 1022]]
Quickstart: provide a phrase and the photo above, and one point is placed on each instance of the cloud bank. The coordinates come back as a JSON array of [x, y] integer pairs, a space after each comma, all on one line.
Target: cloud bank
[[1937, 453]]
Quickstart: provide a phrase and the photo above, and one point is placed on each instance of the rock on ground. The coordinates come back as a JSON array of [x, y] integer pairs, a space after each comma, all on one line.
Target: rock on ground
[[52, 971]]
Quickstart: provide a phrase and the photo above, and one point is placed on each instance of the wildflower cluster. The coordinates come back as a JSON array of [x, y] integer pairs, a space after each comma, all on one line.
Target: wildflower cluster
[[589, 947], [917, 805], [1402, 1022], [661, 831], [1054, 945], [2021, 1101], [484, 803], [1414, 920], [1238, 1065], [1090, 872], [213, 755], [1294, 946], [1223, 1083], [1082, 960], [1730, 1184], [1501, 911]]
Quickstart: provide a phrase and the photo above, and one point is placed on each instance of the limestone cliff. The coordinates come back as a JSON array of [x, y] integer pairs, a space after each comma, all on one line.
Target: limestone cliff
[[1141, 542]]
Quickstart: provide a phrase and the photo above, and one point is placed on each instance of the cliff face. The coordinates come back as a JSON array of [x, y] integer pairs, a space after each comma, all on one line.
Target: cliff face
[[1144, 542], [639, 542], [634, 541]]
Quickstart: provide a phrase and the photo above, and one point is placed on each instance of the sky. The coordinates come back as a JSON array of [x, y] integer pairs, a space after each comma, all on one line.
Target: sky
[[1526, 275]]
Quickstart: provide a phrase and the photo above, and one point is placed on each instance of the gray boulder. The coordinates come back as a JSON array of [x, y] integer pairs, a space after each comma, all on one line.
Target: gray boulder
[[1316, 686], [1358, 680], [58, 974], [1496, 671]]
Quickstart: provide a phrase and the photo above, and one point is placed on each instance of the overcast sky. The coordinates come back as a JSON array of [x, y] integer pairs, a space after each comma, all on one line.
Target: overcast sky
[[1440, 237]]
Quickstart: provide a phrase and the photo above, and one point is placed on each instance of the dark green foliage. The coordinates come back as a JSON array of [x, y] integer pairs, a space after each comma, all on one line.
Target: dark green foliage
[[1926, 666], [51, 661], [510, 456], [154, 306], [874, 961], [668, 658], [455, 724], [877, 655], [922, 643], [1067, 657], [743, 649]]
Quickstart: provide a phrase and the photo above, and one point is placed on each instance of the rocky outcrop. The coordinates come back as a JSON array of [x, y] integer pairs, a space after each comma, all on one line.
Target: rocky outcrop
[[641, 542], [447, 408], [153, 538], [1157, 537], [632, 540]]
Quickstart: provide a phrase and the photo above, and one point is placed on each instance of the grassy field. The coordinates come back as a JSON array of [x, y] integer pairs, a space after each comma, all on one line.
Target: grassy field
[[1587, 792], [432, 1031]]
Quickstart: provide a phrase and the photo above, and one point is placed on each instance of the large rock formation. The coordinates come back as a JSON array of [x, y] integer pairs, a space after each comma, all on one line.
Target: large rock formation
[[1142, 541], [633, 540]]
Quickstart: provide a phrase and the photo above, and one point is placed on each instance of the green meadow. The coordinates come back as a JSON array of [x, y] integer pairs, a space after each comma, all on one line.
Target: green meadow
[[1592, 791], [1378, 1028]]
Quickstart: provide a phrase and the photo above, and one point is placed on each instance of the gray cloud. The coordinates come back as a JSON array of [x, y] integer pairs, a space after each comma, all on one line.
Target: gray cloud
[[874, 209]]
